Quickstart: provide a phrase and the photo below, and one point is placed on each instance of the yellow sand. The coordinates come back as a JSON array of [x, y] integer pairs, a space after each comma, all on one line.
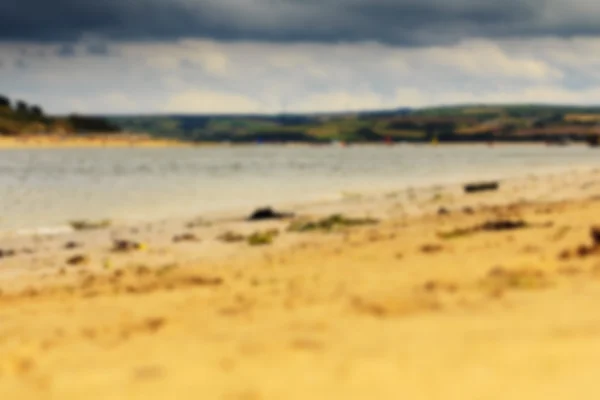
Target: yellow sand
[[385, 312], [95, 140]]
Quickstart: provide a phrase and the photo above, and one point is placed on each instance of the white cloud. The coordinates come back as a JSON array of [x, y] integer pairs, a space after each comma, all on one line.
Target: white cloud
[[485, 59], [210, 77], [199, 101], [339, 100]]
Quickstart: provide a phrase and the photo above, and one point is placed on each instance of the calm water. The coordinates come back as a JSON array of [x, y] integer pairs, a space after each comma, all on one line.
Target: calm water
[[47, 187]]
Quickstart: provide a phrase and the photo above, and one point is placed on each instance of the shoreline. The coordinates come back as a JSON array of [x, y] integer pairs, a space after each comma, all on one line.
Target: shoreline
[[431, 296], [92, 140], [410, 202], [140, 140], [354, 201]]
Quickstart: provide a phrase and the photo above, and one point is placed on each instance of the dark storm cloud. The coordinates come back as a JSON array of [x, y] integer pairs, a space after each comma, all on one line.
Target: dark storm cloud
[[407, 22]]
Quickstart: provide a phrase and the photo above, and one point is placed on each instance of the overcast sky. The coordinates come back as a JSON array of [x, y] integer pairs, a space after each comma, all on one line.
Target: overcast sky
[[214, 56]]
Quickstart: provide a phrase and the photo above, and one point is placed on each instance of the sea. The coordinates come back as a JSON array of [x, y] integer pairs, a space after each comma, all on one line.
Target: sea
[[41, 190]]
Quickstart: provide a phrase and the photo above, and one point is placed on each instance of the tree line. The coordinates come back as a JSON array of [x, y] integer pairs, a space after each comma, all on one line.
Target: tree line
[[23, 114], [22, 108]]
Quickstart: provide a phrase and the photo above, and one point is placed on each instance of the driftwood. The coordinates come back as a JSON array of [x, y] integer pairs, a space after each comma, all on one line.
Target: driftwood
[[481, 187]]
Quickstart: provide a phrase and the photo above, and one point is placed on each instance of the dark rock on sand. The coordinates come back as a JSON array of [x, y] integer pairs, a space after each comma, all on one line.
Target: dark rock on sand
[[7, 253], [78, 260], [481, 187], [595, 234], [584, 250], [268, 213], [72, 245], [123, 246], [431, 248], [185, 237], [443, 211], [503, 225]]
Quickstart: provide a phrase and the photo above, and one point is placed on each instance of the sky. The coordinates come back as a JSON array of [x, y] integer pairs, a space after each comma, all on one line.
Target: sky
[[274, 56]]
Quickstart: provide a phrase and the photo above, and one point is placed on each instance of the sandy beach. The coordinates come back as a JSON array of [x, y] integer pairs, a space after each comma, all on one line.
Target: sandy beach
[[112, 140], [88, 140], [448, 296]]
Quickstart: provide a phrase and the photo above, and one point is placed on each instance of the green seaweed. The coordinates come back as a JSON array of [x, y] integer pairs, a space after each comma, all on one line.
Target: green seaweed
[[330, 223], [84, 225], [231, 237], [262, 238]]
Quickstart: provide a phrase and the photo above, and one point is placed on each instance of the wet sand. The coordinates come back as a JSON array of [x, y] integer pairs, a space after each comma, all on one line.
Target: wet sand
[[436, 301]]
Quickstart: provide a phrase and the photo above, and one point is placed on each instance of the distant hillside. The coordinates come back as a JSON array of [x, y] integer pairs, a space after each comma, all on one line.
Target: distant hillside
[[20, 118], [469, 123]]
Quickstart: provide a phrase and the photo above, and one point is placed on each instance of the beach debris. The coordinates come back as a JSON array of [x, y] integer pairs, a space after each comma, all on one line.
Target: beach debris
[[443, 211], [84, 225], [106, 263], [197, 223], [584, 250], [456, 233], [268, 213], [503, 225], [437, 286], [79, 259], [468, 210], [437, 197], [124, 246], [329, 223], [262, 238], [72, 245], [185, 237], [394, 307], [595, 234], [7, 253], [204, 281], [489, 226], [154, 324], [231, 237], [431, 248], [564, 255], [481, 187], [499, 279]]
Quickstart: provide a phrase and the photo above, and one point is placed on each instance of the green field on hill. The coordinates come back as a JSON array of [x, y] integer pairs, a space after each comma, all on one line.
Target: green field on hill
[[20, 118], [469, 123], [508, 123]]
